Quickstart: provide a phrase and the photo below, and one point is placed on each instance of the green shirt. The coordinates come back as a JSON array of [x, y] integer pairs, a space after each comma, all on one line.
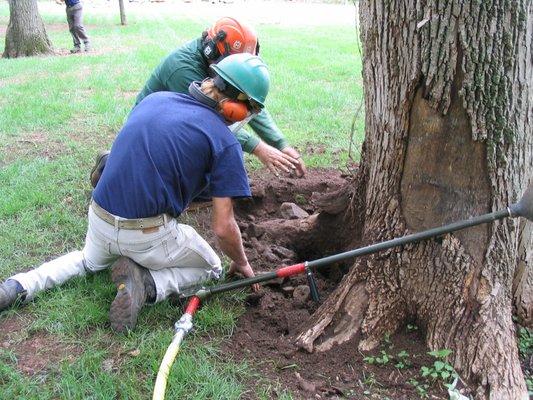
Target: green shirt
[[187, 64]]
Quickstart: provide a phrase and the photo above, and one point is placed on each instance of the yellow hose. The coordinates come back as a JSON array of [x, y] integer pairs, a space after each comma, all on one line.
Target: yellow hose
[[162, 376], [182, 327]]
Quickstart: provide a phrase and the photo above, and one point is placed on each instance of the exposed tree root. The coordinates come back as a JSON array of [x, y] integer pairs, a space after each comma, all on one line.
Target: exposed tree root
[[351, 285]]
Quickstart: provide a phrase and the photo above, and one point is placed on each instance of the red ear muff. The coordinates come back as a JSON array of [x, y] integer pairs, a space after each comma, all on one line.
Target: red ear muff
[[233, 111]]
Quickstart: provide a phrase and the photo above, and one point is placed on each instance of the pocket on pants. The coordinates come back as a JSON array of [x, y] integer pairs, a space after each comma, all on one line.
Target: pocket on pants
[[190, 250], [152, 255]]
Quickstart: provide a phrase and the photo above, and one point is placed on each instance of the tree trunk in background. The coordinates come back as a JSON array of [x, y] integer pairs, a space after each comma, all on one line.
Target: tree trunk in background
[[26, 34], [449, 122], [123, 20]]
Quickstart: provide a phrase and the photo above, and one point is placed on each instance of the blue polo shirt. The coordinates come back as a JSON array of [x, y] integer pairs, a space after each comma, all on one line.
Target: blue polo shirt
[[171, 148], [71, 3]]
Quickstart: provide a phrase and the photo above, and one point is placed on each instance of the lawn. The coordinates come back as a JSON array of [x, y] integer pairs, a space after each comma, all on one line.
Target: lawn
[[56, 113]]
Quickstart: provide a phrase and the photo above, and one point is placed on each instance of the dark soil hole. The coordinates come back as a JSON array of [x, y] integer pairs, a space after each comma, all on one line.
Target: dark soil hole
[[274, 221]]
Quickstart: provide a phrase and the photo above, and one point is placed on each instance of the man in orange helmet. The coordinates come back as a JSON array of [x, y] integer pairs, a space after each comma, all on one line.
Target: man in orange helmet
[[191, 62]]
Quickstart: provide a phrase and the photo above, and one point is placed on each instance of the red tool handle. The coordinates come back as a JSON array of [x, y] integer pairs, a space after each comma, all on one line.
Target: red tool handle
[[291, 270], [193, 305]]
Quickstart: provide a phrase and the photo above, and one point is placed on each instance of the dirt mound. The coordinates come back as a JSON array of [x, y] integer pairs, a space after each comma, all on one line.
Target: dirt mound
[[265, 333], [275, 201]]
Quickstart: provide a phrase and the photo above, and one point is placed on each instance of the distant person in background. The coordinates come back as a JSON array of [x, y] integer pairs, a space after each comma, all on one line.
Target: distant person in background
[[75, 24]]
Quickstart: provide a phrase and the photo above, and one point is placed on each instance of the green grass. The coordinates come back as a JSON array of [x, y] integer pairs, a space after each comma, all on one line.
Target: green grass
[[56, 113]]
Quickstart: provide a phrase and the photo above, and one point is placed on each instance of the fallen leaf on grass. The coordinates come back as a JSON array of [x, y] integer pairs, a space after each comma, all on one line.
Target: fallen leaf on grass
[[108, 364], [134, 353]]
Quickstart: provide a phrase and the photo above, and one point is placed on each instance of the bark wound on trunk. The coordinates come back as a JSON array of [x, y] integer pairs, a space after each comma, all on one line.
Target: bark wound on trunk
[[448, 135], [452, 184], [26, 34]]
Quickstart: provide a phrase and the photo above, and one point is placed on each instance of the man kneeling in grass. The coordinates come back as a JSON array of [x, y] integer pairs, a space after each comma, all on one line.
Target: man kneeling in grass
[[172, 147]]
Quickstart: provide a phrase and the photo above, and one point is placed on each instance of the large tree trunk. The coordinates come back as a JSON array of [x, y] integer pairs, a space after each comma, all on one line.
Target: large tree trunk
[[26, 34], [449, 122]]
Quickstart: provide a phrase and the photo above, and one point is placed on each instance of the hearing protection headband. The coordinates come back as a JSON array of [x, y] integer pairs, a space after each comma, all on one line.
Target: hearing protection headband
[[194, 91]]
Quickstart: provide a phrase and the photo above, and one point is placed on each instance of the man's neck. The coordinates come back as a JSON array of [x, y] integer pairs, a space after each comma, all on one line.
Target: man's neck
[[210, 90]]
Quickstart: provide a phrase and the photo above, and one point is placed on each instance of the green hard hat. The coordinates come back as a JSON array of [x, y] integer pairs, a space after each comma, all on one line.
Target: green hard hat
[[246, 72]]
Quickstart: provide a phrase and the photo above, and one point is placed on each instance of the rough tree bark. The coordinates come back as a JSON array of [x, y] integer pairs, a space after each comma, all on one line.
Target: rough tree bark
[[449, 122], [26, 34], [523, 280]]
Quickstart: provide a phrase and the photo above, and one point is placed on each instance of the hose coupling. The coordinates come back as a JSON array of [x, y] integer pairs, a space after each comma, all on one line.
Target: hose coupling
[[184, 324], [203, 293]]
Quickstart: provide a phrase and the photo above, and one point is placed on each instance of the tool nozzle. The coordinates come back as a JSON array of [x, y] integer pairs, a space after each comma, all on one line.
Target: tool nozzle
[[524, 208]]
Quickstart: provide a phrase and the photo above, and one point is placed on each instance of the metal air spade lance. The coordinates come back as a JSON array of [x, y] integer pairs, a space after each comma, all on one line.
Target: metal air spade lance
[[524, 208]]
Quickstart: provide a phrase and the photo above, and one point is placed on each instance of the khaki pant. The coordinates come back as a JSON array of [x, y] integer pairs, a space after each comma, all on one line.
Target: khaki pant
[[175, 254]]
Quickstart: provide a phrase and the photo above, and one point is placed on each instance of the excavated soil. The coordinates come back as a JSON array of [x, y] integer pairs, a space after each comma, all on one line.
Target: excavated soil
[[265, 333]]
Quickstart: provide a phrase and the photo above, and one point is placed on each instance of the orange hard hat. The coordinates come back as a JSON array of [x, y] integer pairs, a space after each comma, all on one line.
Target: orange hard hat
[[231, 37]]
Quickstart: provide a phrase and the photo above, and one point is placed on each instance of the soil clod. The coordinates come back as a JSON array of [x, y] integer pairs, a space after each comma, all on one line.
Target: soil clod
[[292, 211], [301, 294]]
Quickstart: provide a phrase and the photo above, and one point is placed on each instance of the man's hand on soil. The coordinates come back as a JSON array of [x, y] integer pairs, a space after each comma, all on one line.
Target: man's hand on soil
[[300, 168], [243, 270], [276, 160]]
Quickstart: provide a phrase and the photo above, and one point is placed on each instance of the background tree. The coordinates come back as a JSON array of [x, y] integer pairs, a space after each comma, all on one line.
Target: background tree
[[26, 34], [123, 20], [448, 99]]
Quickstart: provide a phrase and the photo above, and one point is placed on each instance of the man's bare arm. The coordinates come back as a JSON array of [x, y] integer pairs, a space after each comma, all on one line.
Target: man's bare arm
[[229, 237]]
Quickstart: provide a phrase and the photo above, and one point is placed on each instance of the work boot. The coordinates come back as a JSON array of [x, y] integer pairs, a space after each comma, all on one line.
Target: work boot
[[98, 168], [9, 293], [88, 46], [75, 49], [135, 286]]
